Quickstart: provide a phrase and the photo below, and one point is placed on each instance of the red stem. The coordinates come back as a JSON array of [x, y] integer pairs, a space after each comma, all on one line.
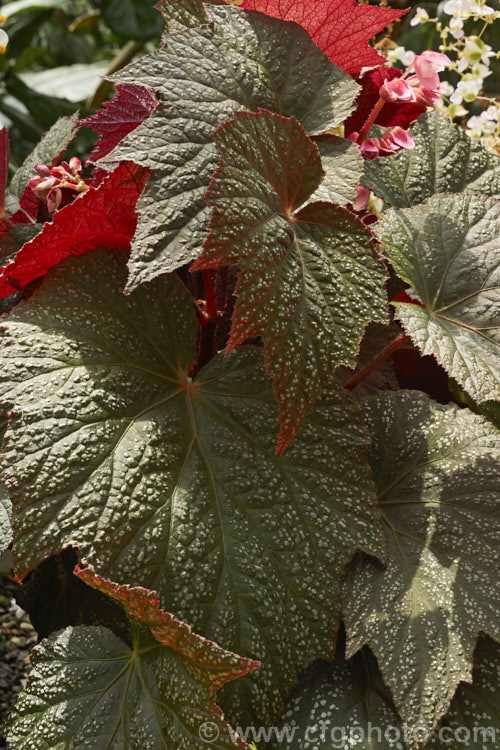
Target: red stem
[[371, 119], [376, 361], [211, 304]]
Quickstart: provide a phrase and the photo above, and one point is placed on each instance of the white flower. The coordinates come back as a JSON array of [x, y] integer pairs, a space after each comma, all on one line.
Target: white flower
[[4, 39], [400, 54], [456, 27], [421, 16], [475, 127], [466, 8], [492, 112], [446, 88], [466, 91]]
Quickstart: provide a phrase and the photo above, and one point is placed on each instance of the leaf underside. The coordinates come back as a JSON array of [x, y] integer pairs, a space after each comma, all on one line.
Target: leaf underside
[[447, 249], [203, 75], [445, 160], [153, 478], [159, 693], [437, 472], [309, 281]]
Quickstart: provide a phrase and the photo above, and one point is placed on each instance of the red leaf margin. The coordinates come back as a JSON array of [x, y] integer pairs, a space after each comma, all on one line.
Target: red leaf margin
[[204, 660], [103, 216], [131, 105], [340, 28]]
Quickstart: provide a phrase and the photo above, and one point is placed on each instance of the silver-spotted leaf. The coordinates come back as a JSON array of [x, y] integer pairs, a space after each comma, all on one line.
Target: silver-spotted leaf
[[309, 281], [241, 61], [473, 720], [5, 506], [448, 249], [445, 160], [176, 486], [344, 705], [89, 690], [343, 167], [437, 471]]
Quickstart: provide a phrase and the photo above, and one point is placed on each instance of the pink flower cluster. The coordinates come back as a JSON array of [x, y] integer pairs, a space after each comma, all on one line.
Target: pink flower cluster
[[56, 186], [391, 142], [423, 88]]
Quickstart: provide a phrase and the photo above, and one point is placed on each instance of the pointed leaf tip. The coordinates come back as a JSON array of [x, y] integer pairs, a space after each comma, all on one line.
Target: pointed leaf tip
[[309, 281]]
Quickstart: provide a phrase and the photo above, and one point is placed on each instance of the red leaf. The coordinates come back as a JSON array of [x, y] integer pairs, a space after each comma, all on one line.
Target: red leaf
[[131, 105], [390, 114], [103, 216], [341, 28]]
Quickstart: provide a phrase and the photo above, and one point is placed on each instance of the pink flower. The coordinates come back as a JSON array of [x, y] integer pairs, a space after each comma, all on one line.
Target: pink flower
[[396, 90], [362, 198], [369, 149], [56, 186], [401, 138], [421, 95], [427, 67]]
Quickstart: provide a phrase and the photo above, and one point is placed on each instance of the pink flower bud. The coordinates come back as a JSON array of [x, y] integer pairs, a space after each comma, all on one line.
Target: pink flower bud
[[362, 198], [75, 164], [401, 138], [427, 67], [353, 137], [369, 149], [396, 90], [42, 170]]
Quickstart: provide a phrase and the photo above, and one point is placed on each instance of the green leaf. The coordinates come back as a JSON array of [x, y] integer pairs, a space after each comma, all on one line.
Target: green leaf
[[5, 505], [242, 61], [343, 165], [342, 705], [448, 250], [5, 519], [437, 472], [175, 485], [474, 716], [182, 14], [132, 19], [89, 689], [74, 83], [445, 159], [309, 281], [52, 145]]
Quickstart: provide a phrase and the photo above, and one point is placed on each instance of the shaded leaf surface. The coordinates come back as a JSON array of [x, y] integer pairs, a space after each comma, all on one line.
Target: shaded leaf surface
[[130, 106], [341, 28], [159, 693], [132, 19], [104, 215], [475, 706], [154, 478], [437, 473], [341, 705], [448, 250], [241, 61], [445, 159], [309, 280]]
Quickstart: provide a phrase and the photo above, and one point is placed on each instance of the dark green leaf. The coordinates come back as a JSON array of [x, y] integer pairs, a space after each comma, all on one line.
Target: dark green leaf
[[445, 159], [309, 281], [89, 690], [448, 250], [176, 485], [242, 61], [132, 19], [437, 471]]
